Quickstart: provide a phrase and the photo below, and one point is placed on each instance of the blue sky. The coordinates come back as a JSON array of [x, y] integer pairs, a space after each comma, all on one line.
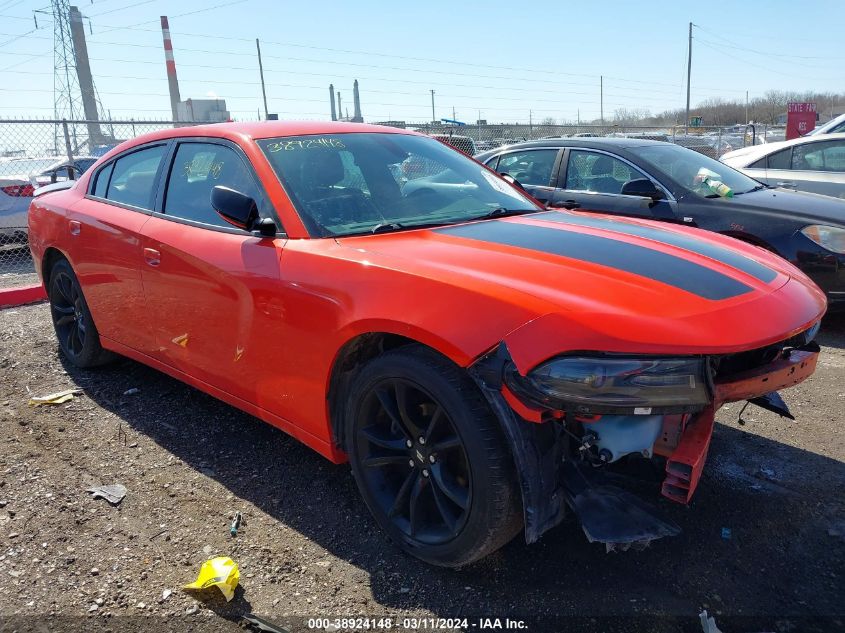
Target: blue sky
[[499, 60]]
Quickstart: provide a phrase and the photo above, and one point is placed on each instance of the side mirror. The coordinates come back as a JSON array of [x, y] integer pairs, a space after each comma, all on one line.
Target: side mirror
[[643, 188], [512, 180], [239, 210]]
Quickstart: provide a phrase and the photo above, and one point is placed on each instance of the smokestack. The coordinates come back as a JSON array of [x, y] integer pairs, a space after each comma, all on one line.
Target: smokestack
[[172, 81], [331, 100], [339, 109], [83, 73], [356, 101]]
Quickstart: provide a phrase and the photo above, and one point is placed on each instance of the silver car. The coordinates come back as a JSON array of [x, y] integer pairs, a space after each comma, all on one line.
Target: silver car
[[810, 163]]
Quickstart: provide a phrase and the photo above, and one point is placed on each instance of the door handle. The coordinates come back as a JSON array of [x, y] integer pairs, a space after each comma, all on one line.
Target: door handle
[[75, 227], [152, 256], [566, 204]]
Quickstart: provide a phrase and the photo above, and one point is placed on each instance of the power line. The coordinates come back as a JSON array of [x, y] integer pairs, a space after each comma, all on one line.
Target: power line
[[737, 46], [771, 70]]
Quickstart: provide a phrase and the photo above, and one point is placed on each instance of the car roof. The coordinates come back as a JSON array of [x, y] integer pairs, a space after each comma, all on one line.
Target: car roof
[[830, 124], [588, 141], [755, 152], [268, 129], [585, 142]]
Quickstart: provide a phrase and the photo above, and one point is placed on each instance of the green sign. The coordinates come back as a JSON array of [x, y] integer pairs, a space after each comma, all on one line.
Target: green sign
[[695, 121]]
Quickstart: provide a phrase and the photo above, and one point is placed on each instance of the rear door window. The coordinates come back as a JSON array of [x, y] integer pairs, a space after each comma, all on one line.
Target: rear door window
[[197, 169], [822, 156], [532, 167], [133, 177], [102, 182], [780, 160], [598, 173]]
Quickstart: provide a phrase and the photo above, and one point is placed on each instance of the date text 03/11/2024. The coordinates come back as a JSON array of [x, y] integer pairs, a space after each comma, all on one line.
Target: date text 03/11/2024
[[416, 624]]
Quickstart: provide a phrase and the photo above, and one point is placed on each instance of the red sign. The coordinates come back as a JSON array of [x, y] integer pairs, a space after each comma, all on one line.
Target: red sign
[[800, 119]]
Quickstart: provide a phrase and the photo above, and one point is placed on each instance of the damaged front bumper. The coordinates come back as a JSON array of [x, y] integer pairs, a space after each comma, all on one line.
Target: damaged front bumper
[[558, 452], [685, 462]]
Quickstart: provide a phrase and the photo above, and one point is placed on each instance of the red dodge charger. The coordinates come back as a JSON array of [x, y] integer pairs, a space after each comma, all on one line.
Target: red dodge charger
[[481, 361]]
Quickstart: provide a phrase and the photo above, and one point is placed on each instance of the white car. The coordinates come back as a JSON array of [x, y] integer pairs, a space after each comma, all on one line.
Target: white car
[[19, 178], [835, 125], [810, 163]]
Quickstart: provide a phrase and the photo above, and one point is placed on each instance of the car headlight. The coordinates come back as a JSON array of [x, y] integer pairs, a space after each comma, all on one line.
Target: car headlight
[[829, 237], [616, 384]]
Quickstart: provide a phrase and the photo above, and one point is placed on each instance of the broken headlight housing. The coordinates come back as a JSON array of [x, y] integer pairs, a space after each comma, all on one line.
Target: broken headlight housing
[[616, 384]]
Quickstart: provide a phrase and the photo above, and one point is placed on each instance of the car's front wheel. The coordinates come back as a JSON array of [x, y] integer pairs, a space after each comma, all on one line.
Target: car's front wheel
[[430, 459], [75, 329]]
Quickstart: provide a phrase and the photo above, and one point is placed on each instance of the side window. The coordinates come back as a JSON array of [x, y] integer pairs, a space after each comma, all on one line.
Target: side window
[[779, 160], [197, 169], [822, 156], [530, 167], [133, 177], [599, 173], [102, 181], [492, 163]]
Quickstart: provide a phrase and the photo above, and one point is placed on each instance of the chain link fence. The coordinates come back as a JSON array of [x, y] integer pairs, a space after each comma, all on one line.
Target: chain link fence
[[712, 141], [35, 153]]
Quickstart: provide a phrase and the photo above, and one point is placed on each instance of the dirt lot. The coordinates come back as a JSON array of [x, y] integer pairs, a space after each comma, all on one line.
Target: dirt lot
[[309, 548]]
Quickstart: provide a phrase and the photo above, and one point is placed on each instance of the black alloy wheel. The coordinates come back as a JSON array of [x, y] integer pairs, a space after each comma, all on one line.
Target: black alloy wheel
[[430, 459], [414, 461], [68, 317], [78, 337]]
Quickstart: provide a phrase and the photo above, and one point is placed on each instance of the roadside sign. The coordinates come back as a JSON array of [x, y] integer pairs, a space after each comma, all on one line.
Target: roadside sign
[[695, 121], [800, 118]]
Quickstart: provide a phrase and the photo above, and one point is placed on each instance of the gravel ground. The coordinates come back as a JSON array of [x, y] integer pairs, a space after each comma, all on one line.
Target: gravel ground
[[307, 546]]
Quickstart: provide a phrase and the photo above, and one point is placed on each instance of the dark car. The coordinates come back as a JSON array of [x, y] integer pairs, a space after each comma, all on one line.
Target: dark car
[[663, 181]]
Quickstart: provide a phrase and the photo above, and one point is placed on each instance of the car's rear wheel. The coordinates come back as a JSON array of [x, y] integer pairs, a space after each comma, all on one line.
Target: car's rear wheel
[[430, 459], [75, 329]]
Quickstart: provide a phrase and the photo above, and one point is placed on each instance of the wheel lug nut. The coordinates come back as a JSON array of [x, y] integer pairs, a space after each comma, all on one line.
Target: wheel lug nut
[[422, 440], [411, 463], [409, 443], [425, 473], [432, 458]]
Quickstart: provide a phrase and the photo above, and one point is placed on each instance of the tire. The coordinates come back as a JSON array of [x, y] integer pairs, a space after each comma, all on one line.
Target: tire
[[76, 331], [451, 497]]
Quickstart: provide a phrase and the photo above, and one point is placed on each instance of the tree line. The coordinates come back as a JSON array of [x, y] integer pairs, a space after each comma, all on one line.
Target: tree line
[[765, 109]]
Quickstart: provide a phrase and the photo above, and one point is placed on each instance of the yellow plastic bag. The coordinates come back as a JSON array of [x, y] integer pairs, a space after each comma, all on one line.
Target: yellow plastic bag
[[221, 572], [54, 398]]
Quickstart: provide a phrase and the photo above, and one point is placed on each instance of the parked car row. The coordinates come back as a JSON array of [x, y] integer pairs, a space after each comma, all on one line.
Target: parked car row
[[478, 358]]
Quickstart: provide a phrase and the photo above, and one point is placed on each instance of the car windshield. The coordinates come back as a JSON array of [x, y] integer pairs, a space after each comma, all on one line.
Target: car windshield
[[695, 171], [346, 184]]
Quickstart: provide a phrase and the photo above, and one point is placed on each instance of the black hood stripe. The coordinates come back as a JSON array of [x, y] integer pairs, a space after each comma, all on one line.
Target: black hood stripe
[[632, 258], [713, 251]]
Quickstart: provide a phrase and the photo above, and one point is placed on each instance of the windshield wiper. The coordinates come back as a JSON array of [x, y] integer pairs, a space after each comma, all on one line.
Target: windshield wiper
[[757, 188], [387, 227], [500, 212]]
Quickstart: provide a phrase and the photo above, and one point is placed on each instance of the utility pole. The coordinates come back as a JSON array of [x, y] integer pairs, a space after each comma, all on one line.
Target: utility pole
[[531, 122], [689, 74], [746, 107], [454, 116], [433, 120], [261, 72], [601, 97]]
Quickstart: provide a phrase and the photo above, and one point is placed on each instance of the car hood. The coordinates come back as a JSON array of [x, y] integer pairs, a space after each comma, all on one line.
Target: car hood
[[811, 207], [744, 156], [610, 284]]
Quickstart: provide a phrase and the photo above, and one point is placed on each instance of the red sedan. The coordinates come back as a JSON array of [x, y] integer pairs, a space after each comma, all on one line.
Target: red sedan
[[481, 361]]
